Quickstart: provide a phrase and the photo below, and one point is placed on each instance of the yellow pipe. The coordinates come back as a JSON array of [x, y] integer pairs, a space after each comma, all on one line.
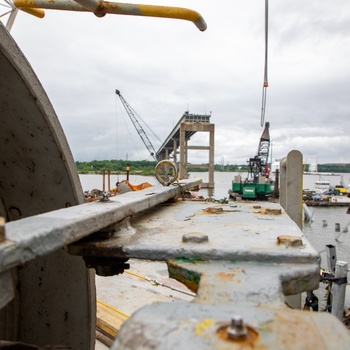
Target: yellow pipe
[[33, 11], [157, 11], [104, 7], [68, 5]]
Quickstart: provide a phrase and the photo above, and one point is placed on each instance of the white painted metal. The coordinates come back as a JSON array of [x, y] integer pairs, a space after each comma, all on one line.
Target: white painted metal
[[291, 178], [338, 290], [8, 11], [45, 233]]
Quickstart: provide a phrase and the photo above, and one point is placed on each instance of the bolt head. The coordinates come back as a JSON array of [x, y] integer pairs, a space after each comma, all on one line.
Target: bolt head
[[237, 330], [195, 237]]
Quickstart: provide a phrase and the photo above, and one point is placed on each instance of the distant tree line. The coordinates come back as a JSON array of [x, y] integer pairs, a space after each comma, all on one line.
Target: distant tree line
[[146, 167], [334, 168], [140, 167]]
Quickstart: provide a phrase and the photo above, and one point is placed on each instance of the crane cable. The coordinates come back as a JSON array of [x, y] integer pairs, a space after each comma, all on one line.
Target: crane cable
[[266, 84], [156, 283]]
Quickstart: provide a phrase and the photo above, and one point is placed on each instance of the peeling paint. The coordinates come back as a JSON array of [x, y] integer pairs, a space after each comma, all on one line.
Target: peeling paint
[[203, 325]]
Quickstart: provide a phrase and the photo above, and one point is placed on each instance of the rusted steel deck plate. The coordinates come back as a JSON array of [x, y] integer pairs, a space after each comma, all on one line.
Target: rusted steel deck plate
[[242, 231], [188, 326], [41, 234], [236, 265]]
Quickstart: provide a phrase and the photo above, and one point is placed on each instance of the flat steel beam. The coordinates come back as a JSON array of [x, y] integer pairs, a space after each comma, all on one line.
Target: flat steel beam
[[45, 233]]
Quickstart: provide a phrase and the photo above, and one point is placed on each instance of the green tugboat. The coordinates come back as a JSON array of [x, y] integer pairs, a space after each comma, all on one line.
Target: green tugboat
[[258, 184]]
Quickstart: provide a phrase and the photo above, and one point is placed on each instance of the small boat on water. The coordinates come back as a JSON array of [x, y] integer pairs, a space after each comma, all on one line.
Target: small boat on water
[[327, 195], [322, 186]]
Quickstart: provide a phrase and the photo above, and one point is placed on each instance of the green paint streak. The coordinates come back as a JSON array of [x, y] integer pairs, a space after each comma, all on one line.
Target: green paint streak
[[194, 259], [189, 278]]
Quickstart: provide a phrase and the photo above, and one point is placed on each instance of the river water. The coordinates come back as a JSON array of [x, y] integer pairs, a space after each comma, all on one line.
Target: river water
[[316, 232]]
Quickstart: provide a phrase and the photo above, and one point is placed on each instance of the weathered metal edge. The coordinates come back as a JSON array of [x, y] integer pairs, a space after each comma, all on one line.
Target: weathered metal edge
[[42, 234]]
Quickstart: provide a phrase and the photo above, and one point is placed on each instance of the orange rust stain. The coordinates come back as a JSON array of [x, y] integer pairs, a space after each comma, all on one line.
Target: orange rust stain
[[226, 276], [249, 343], [287, 327], [293, 241], [213, 210]]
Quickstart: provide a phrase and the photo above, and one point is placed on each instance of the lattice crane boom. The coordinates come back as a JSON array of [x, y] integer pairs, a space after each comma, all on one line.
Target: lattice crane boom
[[132, 115], [264, 145]]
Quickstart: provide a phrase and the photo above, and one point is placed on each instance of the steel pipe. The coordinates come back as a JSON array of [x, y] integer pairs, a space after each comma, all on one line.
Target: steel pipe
[[101, 8], [33, 11]]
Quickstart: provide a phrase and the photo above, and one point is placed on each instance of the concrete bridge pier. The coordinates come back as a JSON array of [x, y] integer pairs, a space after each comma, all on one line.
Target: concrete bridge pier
[[184, 148], [177, 145]]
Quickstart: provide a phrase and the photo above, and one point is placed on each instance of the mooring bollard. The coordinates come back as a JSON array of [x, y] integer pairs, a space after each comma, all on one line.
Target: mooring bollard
[[339, 288]]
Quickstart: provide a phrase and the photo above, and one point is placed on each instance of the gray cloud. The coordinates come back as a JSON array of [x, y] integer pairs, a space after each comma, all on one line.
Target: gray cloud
[[164, 67]]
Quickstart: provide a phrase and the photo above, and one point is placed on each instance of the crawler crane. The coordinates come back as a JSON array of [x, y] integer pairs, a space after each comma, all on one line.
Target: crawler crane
[[257, 184]]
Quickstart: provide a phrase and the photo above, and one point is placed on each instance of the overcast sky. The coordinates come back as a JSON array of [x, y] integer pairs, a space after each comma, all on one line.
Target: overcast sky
[[164, 67]]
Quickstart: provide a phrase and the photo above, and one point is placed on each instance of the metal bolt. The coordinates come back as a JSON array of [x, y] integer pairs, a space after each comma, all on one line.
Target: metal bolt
[[195, 237], [105, 197], [237, 330]]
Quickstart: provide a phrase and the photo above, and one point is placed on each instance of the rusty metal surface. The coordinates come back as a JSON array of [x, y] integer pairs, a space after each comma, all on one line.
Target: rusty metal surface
[[101, 8], [41, 234], [195, 326], [241, 281], [235, 232], [241, 259]]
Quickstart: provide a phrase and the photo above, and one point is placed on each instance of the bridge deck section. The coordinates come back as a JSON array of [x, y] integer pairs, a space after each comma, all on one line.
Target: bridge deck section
[[169, 145]]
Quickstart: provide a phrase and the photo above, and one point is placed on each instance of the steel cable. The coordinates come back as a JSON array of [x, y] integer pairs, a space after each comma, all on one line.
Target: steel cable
[[266, 84]]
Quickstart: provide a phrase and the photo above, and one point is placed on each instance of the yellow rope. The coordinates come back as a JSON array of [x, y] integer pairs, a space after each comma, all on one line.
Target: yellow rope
[[136, 275], [156, 283], [112, 308]]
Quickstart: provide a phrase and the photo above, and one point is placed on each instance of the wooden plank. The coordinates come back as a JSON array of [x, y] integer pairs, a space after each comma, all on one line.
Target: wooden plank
[[104, 339], [109, 320]]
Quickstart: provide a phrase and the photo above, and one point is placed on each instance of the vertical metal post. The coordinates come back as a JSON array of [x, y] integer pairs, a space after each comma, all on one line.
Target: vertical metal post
[[338, 290], [331, 257], [186, 158], [283, 183], [103, 181], [182, 166], [127, 171], [291, 188], [211, 155], [277, 184]]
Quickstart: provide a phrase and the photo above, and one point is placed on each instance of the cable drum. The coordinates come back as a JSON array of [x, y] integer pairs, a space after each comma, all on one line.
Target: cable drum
[[166, 172]]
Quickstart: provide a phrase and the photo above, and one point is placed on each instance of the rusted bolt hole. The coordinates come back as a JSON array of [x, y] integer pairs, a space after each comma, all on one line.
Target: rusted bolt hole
[[249, 339]]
